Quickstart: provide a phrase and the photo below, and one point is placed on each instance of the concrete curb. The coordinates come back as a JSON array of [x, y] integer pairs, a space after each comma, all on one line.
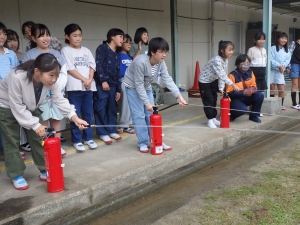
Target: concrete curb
[[111, 194]]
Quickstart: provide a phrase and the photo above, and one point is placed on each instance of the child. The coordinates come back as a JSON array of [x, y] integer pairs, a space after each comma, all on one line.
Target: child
[[212, 79], [125, 116], [22, 91], [13, 43], [143, 70], [26, 30], [280, 59], [108, 82], [80, 85], [140, 45], [248, 95], [294, 50], [41, 39]]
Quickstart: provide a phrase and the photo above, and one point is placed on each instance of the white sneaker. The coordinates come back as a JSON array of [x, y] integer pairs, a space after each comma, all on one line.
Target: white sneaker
[[79, 147], [166, 147], [296, 107], [115, 136], [63, 152], [91, 144], [106, 139], [144, 149], [211, 124], [216, 122], [261, 115]]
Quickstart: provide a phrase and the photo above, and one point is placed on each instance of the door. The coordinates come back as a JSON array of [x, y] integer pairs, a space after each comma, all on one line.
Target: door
[[234, 35]]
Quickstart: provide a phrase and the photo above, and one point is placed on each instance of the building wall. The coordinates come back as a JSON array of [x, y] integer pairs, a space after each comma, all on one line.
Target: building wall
[[193, 35]]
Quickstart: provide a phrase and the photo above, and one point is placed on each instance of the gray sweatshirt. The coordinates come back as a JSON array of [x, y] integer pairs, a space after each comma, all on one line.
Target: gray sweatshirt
[[138, 76], [17, 94]]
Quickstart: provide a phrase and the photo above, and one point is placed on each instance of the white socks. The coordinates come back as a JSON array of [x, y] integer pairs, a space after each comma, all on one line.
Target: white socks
[[213, 123]]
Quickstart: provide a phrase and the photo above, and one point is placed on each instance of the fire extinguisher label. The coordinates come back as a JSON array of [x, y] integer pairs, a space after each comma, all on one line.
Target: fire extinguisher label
[[159, 149]]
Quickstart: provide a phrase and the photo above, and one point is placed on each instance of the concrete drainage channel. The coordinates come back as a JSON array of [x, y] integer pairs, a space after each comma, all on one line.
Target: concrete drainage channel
[[129, 196]]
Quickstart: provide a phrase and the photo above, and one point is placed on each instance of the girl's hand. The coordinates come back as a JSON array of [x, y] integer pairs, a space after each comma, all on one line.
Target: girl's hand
[[181, 100], [149, 107], [41, 130], [118, 96], [222, 92], [235, 88], [140, 46], [105, 86], [81, 124], [288, 71], [281, 69]]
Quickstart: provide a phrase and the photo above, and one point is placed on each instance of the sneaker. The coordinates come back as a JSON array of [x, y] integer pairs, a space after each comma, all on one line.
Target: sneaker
[[43, 176], [23, 153], [91, 144], [255, 119], [106, 139], [129, 130], [296, 107], [144, 149], [62, 139], [20, 183], [63, 152], [115, 136], [120, 130], [261, 115], [26, 147], [166, 147], [216, 122], [283, 108], [79, 147], [211, 124]]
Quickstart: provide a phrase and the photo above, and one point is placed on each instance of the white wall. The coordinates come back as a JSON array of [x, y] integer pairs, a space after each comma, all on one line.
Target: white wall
[[95, 20]]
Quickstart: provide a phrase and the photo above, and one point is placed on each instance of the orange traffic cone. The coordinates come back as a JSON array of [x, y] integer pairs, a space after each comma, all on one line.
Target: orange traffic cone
[[194, 91]]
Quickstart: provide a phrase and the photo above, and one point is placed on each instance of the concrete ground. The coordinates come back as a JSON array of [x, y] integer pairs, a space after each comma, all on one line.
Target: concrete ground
[[93, 176]]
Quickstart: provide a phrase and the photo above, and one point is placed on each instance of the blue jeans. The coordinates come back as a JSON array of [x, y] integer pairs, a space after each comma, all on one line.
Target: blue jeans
[[105, 110], [83, 102], [140, 115], [295, 71]]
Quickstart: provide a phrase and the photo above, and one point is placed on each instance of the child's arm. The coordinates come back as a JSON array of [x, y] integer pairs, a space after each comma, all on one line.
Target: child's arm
[[274, 64], [100, 56], [287, 60]]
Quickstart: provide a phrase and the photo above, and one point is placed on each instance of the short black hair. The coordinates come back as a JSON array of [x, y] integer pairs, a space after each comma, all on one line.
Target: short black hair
[[27, 24], [242, 58], [3, 27], [38, 30], [138, 35], [11, 35], [113, 32], [222, 46], [259, 35], [280, 35], [157, 43], [69, 29]]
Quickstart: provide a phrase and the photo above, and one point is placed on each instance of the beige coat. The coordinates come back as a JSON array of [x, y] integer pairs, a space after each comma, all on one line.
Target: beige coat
[[17, 93]]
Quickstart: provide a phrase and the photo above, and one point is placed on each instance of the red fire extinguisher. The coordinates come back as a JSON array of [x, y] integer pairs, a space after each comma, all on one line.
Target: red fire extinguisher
[[54, 165], [156, 132], [225, 111]]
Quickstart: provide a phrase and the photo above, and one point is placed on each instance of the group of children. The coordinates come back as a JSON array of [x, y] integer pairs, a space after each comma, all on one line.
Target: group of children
[[93, 87], [246, 84]]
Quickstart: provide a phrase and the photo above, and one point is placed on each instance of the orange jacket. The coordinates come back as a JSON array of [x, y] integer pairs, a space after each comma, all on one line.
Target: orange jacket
[[236, 75]]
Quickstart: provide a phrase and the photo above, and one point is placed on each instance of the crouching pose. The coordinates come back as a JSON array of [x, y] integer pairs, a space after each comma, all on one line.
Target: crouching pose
[[143, 70], [244, 78], [22, 91]]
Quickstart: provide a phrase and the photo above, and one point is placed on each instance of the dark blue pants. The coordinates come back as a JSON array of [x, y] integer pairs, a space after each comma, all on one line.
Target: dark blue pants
[[105, 110], [83, 102], [241, 104]]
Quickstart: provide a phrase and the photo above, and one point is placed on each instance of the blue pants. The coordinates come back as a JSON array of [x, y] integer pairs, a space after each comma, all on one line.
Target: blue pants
[[83, 102], [140, 115], [241, 104], [105, 110]]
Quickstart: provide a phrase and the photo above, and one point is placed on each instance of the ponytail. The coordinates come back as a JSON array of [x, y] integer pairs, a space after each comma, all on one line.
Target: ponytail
[[222, 46]]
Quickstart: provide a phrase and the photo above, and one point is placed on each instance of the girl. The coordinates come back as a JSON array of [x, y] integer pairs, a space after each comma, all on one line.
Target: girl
[[41, 39], [258, 59], [80, 85], [143, 70], [108, 82], [244, 78], [294, 49], [26, 30], [212, 76], [22, 91], [125, 61], [140, 45], [13, 43], [280, 59]]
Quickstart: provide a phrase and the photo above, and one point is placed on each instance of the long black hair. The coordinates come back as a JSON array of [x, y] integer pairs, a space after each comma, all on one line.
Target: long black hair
[[38, 30], [282, 34], [222, 46], [138, 35], [44, 63]]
